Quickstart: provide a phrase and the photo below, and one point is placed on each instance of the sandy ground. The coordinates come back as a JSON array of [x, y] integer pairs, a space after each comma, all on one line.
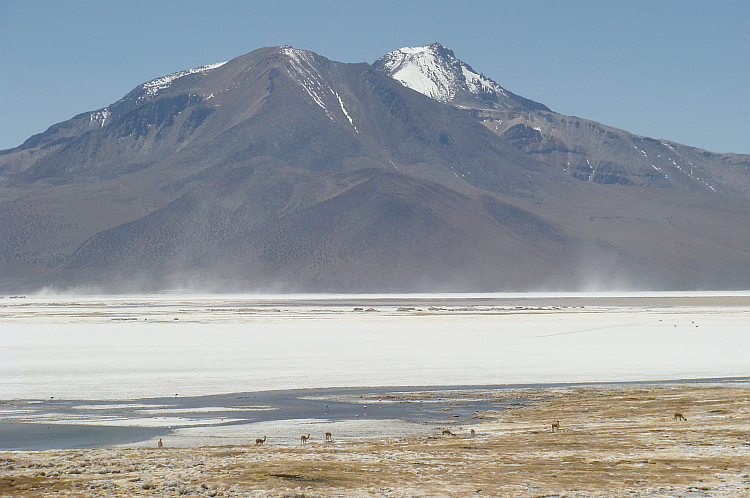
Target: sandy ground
[[613, 441]]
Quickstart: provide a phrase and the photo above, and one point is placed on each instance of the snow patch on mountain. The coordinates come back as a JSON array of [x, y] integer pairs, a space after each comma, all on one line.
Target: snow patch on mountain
[[153, 87], [423, 71], [351, 122], [302, 69], [434, 71], [476, 83], [99, 117]]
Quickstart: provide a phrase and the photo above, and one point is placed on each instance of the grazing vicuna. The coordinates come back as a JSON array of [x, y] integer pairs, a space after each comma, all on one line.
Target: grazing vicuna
[[678, 416], [447, 432]]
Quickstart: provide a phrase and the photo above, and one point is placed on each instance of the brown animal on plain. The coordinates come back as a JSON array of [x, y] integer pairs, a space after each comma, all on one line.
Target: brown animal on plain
[[447, 432], [329, 436], [304, 438], [160, 444], [473, 433], [260, 441], [678, 416], [556, 426]]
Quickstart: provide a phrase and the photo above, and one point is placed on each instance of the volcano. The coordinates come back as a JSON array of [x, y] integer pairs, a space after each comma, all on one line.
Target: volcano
[[283, 171]]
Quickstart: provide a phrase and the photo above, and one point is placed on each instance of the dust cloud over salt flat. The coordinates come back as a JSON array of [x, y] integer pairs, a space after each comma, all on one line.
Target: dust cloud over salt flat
[[118, 348]]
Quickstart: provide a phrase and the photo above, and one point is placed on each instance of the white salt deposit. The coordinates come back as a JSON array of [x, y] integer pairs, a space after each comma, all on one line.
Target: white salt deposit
[[104, 348]]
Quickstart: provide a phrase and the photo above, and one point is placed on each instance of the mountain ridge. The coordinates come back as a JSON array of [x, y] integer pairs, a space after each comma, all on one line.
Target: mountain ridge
[[547, 136]]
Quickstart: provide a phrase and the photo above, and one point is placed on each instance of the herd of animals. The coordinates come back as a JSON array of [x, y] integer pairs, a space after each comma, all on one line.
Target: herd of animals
[[446, 432]]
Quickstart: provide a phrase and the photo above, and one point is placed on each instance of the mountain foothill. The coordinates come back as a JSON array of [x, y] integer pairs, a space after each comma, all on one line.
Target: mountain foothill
[[283, 171]]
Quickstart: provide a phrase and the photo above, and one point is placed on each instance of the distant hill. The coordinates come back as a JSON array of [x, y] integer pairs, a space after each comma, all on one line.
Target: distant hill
[[281, 170]]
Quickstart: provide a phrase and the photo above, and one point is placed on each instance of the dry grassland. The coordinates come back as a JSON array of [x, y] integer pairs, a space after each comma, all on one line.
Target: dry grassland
[[612, 442]]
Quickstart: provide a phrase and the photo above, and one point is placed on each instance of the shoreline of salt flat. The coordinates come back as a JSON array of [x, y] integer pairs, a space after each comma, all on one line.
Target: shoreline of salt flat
[[614, 441], [238, 418]]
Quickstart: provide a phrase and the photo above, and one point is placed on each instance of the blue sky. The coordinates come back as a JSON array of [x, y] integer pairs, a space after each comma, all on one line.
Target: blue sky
[[675, 70]]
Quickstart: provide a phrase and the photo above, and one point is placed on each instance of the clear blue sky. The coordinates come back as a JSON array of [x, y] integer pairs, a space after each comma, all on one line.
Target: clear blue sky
[[675, 70]]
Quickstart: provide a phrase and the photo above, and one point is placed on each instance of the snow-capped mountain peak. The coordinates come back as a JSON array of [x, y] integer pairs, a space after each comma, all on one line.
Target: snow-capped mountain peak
[[434, 70]]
